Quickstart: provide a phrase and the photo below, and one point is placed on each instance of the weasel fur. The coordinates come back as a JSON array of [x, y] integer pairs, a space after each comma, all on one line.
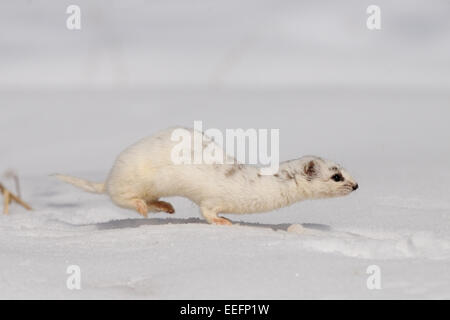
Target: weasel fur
[[145, 172]]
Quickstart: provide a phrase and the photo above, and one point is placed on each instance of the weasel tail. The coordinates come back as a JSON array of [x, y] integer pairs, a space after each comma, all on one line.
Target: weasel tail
[[86, 185]]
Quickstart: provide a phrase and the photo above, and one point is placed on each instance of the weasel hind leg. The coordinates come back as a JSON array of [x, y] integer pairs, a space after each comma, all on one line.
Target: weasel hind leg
[[141, 207], [160, 206], [212, 217], [137, 204]]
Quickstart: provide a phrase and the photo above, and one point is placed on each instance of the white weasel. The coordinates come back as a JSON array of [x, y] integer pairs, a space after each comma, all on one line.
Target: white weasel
[[145, 172]]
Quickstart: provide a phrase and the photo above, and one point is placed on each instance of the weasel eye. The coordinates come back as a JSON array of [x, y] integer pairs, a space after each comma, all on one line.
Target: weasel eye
[[337, 177]]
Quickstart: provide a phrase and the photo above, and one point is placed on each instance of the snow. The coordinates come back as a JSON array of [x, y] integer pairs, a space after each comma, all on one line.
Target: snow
[[398, 220], [376, 103]]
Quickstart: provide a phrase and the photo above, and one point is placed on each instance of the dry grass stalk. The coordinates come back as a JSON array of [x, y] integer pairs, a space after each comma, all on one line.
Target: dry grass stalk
[[8, 197]]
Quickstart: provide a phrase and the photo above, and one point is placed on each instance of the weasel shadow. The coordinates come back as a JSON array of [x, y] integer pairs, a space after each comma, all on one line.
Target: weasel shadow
[[135, 223], [62, 205]]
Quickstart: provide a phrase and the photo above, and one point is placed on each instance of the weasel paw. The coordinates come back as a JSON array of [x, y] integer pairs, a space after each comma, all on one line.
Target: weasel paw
[[166, 207], [162, 206], [221, 221]]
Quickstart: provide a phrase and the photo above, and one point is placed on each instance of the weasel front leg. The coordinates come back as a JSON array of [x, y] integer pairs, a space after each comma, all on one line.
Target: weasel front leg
[[212, 217]]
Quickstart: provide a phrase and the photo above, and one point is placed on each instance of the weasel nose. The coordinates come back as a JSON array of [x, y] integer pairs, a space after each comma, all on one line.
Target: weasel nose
[[355, 187]]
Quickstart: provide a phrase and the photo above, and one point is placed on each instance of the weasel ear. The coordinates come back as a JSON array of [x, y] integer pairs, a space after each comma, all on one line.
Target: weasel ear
[[310, 170]]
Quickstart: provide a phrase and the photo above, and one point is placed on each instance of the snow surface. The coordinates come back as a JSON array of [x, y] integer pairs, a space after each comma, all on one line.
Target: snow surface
[[378, 103], [398, 220]]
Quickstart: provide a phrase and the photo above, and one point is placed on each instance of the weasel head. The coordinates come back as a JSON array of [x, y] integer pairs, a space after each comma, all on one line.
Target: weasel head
[[321, 178]]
